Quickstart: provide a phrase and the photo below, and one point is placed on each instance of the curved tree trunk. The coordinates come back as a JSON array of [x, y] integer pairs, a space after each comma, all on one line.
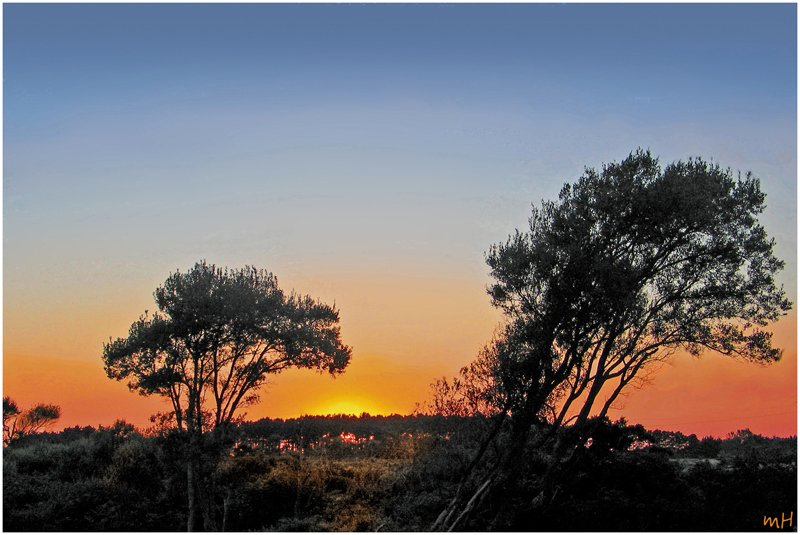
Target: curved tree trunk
[[504, 472], [445, 515], [505, 475]]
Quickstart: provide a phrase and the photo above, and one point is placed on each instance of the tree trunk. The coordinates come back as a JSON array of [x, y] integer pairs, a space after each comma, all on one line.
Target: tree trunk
[[191, 486], [297, 495], [193, 482], [504, 472], [226, 505]]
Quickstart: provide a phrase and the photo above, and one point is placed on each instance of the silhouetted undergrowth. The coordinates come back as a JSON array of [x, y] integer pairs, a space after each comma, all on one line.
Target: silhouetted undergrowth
[[390, 474]]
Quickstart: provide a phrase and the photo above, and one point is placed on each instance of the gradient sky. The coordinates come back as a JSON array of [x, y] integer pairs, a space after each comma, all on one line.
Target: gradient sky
[[367, 155]]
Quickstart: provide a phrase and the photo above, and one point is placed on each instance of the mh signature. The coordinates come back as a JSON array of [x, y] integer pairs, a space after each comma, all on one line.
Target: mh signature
[[773, 521]]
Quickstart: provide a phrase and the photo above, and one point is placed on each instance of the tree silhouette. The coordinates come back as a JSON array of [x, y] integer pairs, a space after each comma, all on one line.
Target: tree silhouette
[[474, 391], [18, 423], [629, 265], [217, 337]]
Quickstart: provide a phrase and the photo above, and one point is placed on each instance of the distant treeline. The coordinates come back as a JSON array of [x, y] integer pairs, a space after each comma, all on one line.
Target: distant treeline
[[392, 473], [317, 431]]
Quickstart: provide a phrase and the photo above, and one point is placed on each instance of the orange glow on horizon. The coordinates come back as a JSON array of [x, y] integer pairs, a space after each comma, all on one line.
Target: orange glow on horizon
[[399, 349], [714, 395], [351, 406], [86, 396]]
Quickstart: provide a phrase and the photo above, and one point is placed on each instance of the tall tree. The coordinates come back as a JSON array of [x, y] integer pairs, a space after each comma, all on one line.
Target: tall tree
[[629, 265], [215, 340]]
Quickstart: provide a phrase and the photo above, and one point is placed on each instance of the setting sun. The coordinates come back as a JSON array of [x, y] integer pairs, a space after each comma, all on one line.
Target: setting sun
[[351, 405]]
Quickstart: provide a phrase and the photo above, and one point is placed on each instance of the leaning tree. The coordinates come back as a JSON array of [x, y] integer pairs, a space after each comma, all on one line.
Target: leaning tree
[[628, 266], [217, 337]]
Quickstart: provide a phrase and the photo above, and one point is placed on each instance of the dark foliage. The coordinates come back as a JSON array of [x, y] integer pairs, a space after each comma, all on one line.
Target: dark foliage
[[217, 337], [114, 479], [629, 265]]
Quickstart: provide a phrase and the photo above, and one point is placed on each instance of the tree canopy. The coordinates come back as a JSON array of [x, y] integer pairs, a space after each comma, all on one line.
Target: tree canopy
[[217, 336], [629, 265]]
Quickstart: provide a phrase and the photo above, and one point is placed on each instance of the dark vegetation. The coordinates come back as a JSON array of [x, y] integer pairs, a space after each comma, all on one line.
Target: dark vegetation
[[216, 338], [393, 473], [629, 265]]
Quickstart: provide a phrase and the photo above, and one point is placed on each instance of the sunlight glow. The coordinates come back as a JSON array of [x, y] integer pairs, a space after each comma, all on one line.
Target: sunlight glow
[[354, 406]]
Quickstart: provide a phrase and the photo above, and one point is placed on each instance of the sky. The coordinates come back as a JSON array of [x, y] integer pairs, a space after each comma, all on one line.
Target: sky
[[367, 155]]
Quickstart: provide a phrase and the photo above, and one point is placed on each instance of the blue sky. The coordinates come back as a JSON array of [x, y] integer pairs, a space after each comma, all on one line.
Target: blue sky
[[327, 141], [109, 104]]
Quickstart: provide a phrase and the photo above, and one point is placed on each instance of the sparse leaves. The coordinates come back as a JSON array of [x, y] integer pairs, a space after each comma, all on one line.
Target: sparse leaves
[[18, 423]]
